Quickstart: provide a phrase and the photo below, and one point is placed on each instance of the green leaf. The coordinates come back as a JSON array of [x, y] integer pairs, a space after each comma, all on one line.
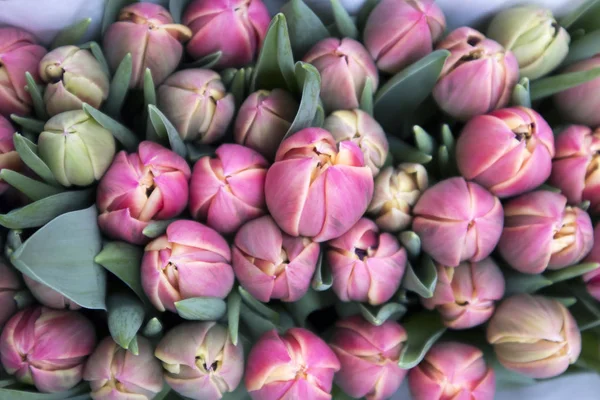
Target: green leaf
[[33, 125], [423, 330], [505, 378], [424, 141], [364, 12], [448, 138], [23, 298], [571, 272], [319, 118], [26, 392], [206, 62], [28, 152], [71, 35], [99, 55], [162, 124], [238, 87], [345, 309], [421, 280], [157, 228], [517, 282], [590, 351], [583, 48], [403, 152], [583, 17], [549, 86], [36, 97], [125, 318], [256, 323], [201, 308], [322, 279], [521, 95], [565, 301], [61, 256], [126, 137], [257, 306], [366, 98], [197, 151], [149, 88], [111, 12], [31, 188], [411, 242], [306, 29], [378, 315], [310, 302], [310, 81], [234, 303], [343, 21], [124, 261], [153, 328], [119, 86], [176, 8]]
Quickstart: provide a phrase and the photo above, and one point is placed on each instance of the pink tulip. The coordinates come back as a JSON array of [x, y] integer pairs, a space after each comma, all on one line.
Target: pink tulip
[[9, 158], [147, 31], [296, 365], [228, 190], [191, 260], [316, 188], [541, 232], [151, 184], [592, 278], [508, 151], [19, 53], [580, 104], [9, 286], [271, 264], [369, 357], [465, 296], [478, 77], [366, 265], [458, 221], [399, 33], [452, 371], [236, 28], [47, 348], [49, 297]]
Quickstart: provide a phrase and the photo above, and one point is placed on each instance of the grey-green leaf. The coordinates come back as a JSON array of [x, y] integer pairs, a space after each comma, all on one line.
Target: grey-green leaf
[[319, 118], [149, 89], [378, 315], [33, 125], [310, 82], [72, 35], [28, 152], [201, 308], [156, 228], [423, 330], [31, 188], [126, 137], [306, 28], [583, 17], [310, 302], [111, 12], [521, 95], [24, 392], [343, 21], [125, 318], [366, 98], [206, 62], [176, 8], [425, 143], [549, 86], [517, 282], [364, 12], [238, 87], [411, 242], [161, 123], [124, 261], [234, 302], [197, 151], [99, 55], [119, 86], [571, 272], [36, 97], [322, 279], [257, 306], [421, 279], [153, 328], [403, 152], [583, 48]]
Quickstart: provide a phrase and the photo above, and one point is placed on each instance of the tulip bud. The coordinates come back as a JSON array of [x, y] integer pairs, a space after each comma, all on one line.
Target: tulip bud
[[117, 374], [399, 33], [514, 148], [366, 265], [74, 77], [452, 370], [200, 362], [151, 184], [580, 104], [296, 365], [534, 37], [369, 357], [76, 148], [344, 65], [9, 286], [465, 296], [458, 221], [362, 129], [9, 158], [264, 119], [147, 32], [534, 336], [541, 232], [478, 77], [592, 278], [197, 103], [235, 28], [315, 188], [19, 53], [48, 296], [228, 190], [47, 348]]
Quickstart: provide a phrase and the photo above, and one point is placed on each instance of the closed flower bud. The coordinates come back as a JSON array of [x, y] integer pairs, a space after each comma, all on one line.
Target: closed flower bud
[[9, 158], [48, 296], [592, 278], [9, 286], [580, 104]]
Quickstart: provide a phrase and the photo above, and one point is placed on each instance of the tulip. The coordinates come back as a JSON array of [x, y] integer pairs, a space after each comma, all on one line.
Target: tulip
[[362, 129], [396, 192], [399, 33], [344, 65], [508, 151], [200, 362], [369, 357], [147, 32], [263, 120], [458, 221], [74, 77], [534, 336], [9, 286], [452, 371], [541, 232], [76, 148], [151, 184], [191, 260], [47, 348], [592, 278], [465, 296], [19, 53], [478, 77], [228, 190], [236, 28], [48, 296], [315, 188], [534, 37], [366, 265], [9, 158], [197, 103], [296, 365], [580, 104]]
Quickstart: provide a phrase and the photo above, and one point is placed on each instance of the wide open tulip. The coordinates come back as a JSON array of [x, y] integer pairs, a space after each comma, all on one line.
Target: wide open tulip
[[197, 103], [508, 151], [295, 365], [190, 260], [478, 77], [452, 371], [9, 286], [534, 336], [147, 32], [465, 296], [151, 184], [117, 374], [369, 357], [399, 32], [271, 264], [580, 104], [49, 297], [47, 348], [200, 362], [316, 188], [366, 265], [344, 65], [228, 190], [592, 278], [236, 28], [541, 232], [19, 53], [458, 221], [9, 158]]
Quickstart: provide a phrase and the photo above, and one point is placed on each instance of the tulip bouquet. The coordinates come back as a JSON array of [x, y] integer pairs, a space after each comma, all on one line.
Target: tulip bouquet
[[212, 202]]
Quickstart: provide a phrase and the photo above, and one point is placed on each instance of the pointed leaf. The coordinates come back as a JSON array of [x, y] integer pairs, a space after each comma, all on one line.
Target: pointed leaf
[[378, 315], [125, 318], [99, 55], [238, 87], [448, 138], [201, 308], [111, 12], [517, 282], [310, 82], [23, 299], [521, 95], [124, 261], [149, 88], [565, 301], [306, 29], [234, 303], [153, 328], [126, 137], [157, 228], [176, 8], [549, 86], [319, 118], [343, 21], [421, 280], [28, 152], [583, 48], [583, 17], [258, 307], [411, 242], [162, 124], [403, 152], [443, 162], [322, 279], [197, 151], [26, 392], [36, 97], [366, 99], [424, 141], [72, 35], [119, 86], [206, 62], [364, 12], [31, 188], [423, 330], [33, 125], [570, 272]]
